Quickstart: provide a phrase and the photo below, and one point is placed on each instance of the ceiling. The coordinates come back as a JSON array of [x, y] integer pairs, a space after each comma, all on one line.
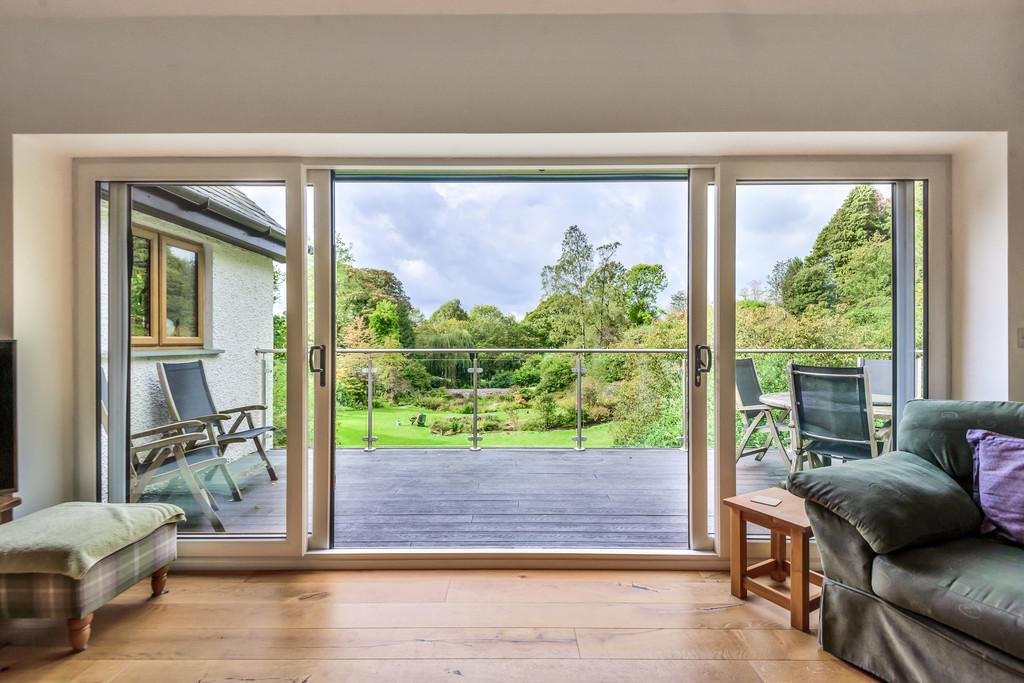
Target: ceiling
[[215, 8]]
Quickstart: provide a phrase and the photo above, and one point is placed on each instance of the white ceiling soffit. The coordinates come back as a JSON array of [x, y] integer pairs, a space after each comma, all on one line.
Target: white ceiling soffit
[[509, 146], [214, 8]]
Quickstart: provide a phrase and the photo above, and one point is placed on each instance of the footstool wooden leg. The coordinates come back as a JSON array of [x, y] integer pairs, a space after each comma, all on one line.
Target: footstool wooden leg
[[158, 582], [79, 631]]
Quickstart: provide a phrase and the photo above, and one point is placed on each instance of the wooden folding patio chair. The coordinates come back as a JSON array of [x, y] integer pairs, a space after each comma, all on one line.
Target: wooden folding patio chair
[[189, 398], [756, 417], [180, 449]]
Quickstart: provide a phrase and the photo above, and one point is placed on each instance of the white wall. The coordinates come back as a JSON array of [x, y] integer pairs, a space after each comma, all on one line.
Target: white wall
[[43, 287], [980, 272], [952, 69]]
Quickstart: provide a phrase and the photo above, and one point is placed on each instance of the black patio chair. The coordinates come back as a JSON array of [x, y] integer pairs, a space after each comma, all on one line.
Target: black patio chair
[[832, 415], [189, 398], [757, 418], [880, 372]]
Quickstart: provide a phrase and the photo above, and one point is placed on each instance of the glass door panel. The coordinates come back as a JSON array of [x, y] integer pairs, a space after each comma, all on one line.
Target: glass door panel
[[820, 269], [192, 328], [511, 360]]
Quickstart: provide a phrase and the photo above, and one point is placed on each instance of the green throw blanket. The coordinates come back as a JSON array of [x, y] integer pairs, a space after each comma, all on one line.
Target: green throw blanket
[[70, 538]]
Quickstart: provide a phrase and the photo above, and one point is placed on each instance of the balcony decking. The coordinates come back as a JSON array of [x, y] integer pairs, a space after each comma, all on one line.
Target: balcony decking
[[502, 498]]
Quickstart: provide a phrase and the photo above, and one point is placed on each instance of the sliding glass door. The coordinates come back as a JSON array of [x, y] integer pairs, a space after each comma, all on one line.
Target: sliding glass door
[[512, 359], [195, 395]]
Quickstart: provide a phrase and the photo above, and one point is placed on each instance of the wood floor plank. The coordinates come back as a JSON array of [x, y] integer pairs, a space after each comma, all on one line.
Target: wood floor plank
[[541, 589], [431, 590], [697, 644], [753, 615], [833, 671], [325, 643], [420, 671]]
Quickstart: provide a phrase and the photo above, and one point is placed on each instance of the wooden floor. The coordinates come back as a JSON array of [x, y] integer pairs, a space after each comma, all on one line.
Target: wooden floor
[[502, 498], [494, 626]]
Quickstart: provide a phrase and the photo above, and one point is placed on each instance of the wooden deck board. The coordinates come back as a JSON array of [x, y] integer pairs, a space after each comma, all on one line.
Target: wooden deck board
[[598, 498]]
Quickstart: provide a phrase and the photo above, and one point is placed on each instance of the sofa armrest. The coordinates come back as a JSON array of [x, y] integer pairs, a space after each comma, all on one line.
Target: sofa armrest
[[894, 501], [845, 556]]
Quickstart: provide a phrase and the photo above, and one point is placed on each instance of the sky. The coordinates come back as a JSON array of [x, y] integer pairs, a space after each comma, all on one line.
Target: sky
[[486, 243]]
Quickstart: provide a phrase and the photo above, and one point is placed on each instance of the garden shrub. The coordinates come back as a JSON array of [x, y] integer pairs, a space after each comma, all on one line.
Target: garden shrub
[[528, 374], [556, 372], [447, 426]]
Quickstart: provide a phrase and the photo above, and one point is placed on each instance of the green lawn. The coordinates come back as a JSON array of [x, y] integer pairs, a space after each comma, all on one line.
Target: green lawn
[[350, 428]]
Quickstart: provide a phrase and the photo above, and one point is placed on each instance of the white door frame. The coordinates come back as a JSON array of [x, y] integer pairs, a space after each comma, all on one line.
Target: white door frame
[[87, 173], [299, 548], [936, 171]]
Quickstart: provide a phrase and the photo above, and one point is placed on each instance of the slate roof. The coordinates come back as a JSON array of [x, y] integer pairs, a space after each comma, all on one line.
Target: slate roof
[[237, 200]]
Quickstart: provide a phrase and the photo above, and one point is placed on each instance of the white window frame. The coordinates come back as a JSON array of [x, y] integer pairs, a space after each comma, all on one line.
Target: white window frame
[[305, 544]]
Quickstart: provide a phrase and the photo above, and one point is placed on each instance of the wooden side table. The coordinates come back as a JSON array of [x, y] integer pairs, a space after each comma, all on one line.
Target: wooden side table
[[787, 519]]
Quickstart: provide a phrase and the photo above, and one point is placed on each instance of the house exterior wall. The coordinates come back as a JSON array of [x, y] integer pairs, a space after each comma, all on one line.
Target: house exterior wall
[[239, 303]]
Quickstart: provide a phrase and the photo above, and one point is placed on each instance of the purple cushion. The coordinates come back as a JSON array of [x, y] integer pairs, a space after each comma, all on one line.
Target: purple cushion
[[999, 482]]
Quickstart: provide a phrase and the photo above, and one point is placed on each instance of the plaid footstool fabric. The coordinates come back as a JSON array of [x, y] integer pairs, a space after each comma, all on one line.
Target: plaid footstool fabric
[[55, 595]]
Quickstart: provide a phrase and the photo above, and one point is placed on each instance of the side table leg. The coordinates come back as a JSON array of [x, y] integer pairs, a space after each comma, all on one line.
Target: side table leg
[[779, 555], [737, 552], [799, 580]]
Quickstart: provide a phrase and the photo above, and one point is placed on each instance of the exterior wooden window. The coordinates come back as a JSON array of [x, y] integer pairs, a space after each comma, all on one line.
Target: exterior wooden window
[[167, 290]]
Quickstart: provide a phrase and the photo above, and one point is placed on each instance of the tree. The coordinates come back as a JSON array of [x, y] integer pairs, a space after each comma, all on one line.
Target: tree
[[569, 275], [548, 324], [604, 289], [754, 291], [384, 322], [449, 310], [642, 285], [678, 303], [807, 284], [360, 289], [777, 278], [864, 214]]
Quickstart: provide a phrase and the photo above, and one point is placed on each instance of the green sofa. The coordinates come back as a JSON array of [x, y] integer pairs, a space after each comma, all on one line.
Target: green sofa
[[912, 591]]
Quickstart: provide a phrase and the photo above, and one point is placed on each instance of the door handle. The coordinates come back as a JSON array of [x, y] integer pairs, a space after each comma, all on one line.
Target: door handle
[[319, 351], [702, 363]]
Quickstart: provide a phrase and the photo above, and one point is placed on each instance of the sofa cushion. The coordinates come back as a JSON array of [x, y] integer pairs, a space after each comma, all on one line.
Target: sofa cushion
[[973, 585], [894, 501], [999, 482], [937, 431]]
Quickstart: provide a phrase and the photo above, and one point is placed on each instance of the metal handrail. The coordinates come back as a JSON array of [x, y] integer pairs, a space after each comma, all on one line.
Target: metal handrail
[[578, 369], [582, 350]]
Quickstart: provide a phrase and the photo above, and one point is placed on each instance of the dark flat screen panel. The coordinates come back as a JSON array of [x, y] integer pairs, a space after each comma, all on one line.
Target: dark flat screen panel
[[8, 418]]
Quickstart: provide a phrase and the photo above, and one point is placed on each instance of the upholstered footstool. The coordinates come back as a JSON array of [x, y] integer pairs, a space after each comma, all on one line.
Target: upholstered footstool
[[69, 560]]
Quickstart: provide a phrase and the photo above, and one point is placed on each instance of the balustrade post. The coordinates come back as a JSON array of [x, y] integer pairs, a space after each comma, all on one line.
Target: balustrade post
[[369, 371], [475, 371], [580, 371], [684, 386]]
